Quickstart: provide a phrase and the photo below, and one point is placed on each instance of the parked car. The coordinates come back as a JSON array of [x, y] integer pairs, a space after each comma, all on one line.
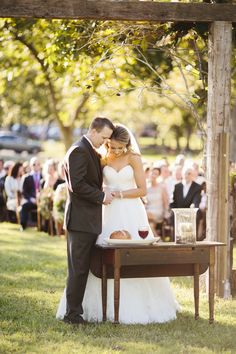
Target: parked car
[[12, 141]]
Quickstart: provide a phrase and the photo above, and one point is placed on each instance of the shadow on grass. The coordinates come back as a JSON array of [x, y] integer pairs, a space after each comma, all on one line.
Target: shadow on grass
[[30, 289], [36, 317]]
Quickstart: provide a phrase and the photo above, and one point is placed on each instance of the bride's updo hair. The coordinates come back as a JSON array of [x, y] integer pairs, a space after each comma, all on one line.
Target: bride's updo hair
[[122, 135]]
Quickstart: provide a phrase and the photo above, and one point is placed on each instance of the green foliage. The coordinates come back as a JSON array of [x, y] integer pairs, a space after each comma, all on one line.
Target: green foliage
[[33, 273], [69, 70]]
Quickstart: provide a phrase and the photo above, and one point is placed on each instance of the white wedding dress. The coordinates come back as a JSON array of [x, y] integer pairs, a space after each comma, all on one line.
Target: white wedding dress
[[142, 300]]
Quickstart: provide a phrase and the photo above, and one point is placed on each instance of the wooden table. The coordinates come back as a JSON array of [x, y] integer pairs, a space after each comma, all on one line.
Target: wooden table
[[159, 260]]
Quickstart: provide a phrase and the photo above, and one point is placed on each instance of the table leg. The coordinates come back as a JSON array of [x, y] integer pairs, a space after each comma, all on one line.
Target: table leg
[[116, 286], [104, 292], [211, 284], [196, 290]]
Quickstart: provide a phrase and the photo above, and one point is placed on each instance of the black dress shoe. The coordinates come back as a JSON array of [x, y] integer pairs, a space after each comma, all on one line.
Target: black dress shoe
[[77, 320]]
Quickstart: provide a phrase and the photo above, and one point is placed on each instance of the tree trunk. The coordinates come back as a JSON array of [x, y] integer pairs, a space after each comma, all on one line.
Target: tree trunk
[[177, 143], [67, 133], [188, 136], [218, 116]]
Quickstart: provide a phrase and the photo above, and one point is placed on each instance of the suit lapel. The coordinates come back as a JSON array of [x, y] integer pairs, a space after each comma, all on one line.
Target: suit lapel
[[181, 192], [190, 191]]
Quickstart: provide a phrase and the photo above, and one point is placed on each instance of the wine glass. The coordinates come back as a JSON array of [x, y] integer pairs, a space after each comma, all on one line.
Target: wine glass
[[143, 231]]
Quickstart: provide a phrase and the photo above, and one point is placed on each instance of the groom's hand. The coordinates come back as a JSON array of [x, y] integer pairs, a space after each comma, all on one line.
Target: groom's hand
[[108, 197]]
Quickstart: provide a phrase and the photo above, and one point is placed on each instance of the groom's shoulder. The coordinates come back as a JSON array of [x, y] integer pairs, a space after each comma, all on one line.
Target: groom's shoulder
[[78, 146]]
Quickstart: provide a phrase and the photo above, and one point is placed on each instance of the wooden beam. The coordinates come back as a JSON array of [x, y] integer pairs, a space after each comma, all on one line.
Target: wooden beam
[[218, 117], [118, 10]]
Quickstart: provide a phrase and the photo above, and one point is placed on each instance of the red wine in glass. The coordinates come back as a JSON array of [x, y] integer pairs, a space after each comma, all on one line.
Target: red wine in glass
[[143, 232]]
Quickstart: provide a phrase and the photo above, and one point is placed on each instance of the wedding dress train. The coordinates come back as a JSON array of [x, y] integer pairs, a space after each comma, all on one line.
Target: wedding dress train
[[142, 300]]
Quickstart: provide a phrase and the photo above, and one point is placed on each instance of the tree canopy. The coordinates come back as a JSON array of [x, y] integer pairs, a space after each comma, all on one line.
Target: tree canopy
[[66, 71]]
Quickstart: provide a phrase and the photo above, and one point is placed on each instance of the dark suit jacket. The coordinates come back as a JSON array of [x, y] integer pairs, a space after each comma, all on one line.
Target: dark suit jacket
[[193, 196], [83, 175], [29, 188]]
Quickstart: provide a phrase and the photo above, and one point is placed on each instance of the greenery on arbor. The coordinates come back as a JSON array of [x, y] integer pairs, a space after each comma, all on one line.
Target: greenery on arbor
[[67, 71]]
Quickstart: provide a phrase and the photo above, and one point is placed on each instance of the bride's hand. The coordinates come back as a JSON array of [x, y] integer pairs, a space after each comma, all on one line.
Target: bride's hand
[[114, 193], [117, 194], [107, 190]]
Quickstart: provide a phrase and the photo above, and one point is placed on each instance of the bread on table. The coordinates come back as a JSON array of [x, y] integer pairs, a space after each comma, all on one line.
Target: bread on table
[[120, 235]]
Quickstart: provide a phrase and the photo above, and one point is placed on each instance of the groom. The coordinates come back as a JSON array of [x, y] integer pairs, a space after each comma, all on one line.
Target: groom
[[83, 214]]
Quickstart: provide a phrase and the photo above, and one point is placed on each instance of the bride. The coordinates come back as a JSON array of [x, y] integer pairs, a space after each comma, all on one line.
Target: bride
[[142, 300]]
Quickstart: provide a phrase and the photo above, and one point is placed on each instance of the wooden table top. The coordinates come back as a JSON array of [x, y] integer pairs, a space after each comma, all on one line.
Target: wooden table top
[[164, 245]]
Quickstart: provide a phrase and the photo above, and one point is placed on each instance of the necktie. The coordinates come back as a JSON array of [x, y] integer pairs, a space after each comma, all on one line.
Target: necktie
[[36, 181]]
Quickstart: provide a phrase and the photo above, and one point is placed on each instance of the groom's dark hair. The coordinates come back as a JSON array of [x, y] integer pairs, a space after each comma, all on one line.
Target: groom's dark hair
[[100, 122]]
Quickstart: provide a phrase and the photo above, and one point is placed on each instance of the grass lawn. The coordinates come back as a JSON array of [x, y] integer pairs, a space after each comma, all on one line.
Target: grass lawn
[[33, 272]]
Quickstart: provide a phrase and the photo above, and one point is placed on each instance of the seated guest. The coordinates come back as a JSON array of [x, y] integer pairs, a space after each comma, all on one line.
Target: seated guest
[[167, 179], [177, 174], [176, 178], [26, 167], [3, 208], [50, 174], [197, 174], [53, 177], [186, 193], [13, 189], [157, 205], [31, 187]]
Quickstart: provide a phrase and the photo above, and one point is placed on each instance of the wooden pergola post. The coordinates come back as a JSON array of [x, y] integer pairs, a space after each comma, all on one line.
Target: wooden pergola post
[[218, 118]]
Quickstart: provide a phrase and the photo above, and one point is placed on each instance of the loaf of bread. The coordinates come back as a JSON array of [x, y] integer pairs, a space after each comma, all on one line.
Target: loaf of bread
[[121, 235]]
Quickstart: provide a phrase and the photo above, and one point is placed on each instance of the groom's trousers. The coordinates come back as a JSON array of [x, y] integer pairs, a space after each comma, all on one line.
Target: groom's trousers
[[79, 246]]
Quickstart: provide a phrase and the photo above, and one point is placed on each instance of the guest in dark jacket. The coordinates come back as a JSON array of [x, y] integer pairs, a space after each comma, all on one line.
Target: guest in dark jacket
[[31, 187], [186, 193]]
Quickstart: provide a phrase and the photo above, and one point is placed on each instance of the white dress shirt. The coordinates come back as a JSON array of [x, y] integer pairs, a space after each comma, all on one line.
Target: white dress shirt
[[186, 188], [90, 142]]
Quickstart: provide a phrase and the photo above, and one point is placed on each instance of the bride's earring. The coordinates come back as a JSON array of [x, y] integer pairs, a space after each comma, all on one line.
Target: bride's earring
[[125, 150]]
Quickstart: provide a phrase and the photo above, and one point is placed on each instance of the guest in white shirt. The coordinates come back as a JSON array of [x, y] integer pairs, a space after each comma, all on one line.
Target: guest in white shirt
[[157, 205], [198, 177], [177, 173], [50, 174], [187, 192], [166, 178], [175, 178], [13, 189]]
